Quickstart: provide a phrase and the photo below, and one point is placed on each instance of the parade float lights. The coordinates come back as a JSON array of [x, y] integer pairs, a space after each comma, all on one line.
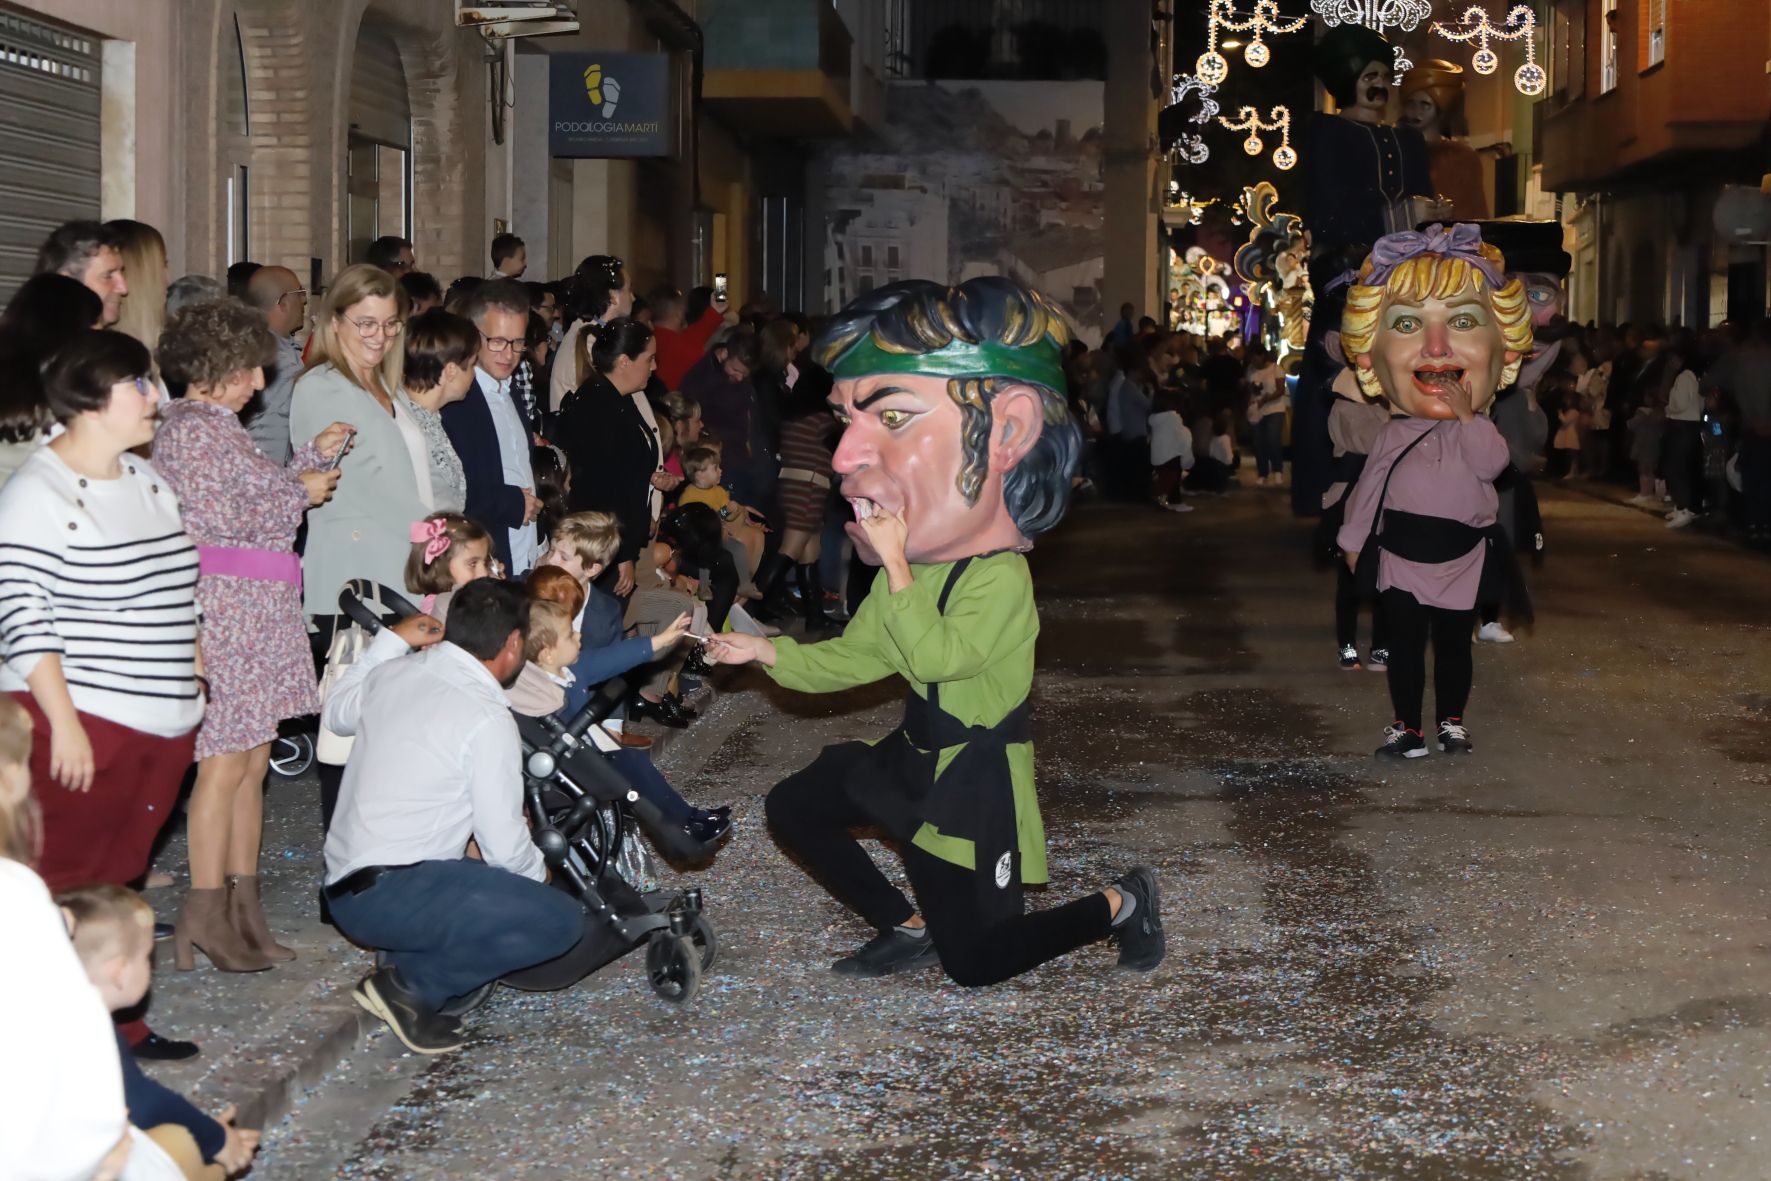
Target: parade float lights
[[1520, 25]]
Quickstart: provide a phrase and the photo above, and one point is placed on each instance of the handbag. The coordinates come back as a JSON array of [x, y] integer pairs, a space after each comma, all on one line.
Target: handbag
[[1365, 569], [346, 648]]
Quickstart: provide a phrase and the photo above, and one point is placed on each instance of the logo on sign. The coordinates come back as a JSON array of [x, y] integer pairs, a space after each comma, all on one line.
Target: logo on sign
[[1004, 866], [602, 91]]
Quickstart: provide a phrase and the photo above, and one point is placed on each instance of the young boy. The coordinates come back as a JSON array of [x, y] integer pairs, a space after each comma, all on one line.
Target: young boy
[[743, 524], [553, 645], [113, 933]]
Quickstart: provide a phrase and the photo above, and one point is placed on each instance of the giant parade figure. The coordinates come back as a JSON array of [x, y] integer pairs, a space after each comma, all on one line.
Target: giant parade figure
[[957, 451], [1433, 104]]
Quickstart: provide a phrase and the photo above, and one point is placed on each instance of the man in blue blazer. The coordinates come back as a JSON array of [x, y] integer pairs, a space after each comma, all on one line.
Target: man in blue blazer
[[488, 432]]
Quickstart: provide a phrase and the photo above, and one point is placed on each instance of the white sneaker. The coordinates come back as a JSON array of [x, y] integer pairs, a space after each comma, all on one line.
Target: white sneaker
[[1494, 633], [1179, 507], [1679, 518], [1640, 499]]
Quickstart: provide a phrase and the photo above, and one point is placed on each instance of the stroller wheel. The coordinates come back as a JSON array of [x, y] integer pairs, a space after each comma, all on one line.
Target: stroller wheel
[[673, 967], [291, 755], [705, 941]]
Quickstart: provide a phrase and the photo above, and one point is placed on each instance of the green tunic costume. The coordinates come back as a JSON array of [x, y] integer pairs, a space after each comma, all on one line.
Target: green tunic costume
[[978, 653]]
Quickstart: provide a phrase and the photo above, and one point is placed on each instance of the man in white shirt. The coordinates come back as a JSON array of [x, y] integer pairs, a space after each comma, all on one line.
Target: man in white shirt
[[438, 761], [488, 432]]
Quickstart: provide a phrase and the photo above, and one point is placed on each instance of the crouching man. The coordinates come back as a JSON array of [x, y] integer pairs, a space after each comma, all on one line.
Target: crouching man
[[437, 761]]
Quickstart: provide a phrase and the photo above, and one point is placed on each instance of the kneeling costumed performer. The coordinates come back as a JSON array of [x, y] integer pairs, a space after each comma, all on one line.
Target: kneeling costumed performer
[[957, 450]]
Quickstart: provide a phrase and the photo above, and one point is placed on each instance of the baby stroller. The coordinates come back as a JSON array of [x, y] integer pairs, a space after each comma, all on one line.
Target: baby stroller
[[582, 812]]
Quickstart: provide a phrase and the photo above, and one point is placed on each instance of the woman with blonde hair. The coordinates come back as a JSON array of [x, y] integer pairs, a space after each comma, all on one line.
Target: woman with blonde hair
[[143, 251], [354, 375], [1433, 324]]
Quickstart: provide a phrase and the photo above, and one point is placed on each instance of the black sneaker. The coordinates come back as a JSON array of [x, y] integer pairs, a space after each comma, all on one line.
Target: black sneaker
[[1141, 942], [1349, 658], [1379, 660], [413, 1022], [1402, 743], [1454, 737], [889, 952]]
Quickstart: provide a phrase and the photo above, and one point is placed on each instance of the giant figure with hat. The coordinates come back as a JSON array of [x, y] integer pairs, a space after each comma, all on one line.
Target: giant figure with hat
[[957, 450], [1433, 104]]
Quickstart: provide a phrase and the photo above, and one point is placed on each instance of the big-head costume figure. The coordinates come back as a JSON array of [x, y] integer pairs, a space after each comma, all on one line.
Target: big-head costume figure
[[1362, 179], [1434, 325], [1433, 104], [957, 450]]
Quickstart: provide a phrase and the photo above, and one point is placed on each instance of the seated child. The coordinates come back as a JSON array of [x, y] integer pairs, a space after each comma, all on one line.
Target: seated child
[[113, 933], [1171, 451], [742, 523], [448, 550]]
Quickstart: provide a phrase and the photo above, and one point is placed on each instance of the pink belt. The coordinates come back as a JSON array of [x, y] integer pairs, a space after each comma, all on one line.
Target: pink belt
[[262, 565]]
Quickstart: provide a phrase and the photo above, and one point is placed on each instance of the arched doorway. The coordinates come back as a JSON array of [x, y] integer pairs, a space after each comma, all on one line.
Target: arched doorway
[[379, 150]]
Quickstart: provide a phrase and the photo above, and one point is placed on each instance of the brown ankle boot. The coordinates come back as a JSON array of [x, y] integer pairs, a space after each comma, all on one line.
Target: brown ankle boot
[[246, 913], [203, 925]]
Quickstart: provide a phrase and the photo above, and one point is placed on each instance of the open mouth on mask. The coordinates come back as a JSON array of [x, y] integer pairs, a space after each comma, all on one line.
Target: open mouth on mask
[[1438, 380], [864, 508]]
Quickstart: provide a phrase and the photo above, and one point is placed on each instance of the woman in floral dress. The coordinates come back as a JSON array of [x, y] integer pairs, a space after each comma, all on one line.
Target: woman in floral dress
[[242, 511]]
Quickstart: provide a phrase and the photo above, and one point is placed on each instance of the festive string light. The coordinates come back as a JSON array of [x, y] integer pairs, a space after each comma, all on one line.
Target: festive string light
[[1521, 24], [1264, 19], [1381, 15], [1278, 119], [1401, 67], [1190, 148]]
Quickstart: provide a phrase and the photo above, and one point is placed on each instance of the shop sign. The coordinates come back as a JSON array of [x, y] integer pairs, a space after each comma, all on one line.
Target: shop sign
[[609, 104]]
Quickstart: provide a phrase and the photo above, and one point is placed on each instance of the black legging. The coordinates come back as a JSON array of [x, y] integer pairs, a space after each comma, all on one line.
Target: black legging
[[811, 816], [1347, 601], [1409, 622], [722, 587]]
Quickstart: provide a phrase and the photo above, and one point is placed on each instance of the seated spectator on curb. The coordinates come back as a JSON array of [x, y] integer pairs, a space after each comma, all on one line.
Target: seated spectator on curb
[[113, 931], [437, 762]]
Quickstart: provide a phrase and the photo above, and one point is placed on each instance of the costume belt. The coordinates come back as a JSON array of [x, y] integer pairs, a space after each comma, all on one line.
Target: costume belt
[[805, 475], [260, 565], [1417, 537]]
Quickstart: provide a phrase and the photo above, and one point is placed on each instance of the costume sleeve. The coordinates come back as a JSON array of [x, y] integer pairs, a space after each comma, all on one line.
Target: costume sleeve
[[857, 657], [1480, 443], [1362, 500], [987, 606]]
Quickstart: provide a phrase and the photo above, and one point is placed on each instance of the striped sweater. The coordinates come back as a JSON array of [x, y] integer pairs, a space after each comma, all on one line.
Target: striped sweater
[[101, 573]]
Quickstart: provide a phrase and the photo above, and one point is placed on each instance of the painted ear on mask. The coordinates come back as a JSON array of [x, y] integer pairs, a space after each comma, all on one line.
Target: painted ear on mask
[[1017, 416]]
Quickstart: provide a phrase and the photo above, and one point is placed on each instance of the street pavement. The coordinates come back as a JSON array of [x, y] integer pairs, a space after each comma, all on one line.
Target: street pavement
[[1549, 960]]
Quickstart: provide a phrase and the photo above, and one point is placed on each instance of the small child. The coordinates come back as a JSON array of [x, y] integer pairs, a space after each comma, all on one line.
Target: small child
[[553, 645], [113, 934], [448, 551], [1212, 474], [1566, 443], [1171, 452], [742, 523], [1646, 427]]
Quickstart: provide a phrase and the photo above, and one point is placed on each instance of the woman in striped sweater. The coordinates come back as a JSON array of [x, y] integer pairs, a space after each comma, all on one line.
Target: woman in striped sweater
[[98, 620]]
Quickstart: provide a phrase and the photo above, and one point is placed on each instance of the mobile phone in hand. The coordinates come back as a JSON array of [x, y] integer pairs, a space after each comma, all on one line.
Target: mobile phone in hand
[[338, 456]]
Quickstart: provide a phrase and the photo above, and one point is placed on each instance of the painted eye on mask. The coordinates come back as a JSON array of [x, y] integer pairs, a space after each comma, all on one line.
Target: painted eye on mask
[[1405, 324], [1466, 322], [894, 419]]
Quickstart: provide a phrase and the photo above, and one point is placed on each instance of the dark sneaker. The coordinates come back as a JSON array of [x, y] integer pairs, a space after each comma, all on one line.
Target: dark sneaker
[[413, 1022], [1379, 661], [1402, 743], [1141, 942], [889, 952], [1454, 737], [1349, 658]]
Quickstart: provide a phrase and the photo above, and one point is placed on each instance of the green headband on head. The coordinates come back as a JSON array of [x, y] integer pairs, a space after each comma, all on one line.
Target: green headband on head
[[1037, 364]]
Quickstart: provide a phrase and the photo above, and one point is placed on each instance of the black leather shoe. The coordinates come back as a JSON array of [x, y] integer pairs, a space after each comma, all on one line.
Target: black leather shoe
[[708, 828], [723, 811], [1141, 941], [155, 1048], [665, 713], [164, 931], [889, 952], [424, 1030], [696, 664]]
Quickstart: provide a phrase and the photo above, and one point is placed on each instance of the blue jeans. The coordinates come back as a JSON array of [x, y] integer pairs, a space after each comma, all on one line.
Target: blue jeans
[[644, 777], [450, 926], [1269, 445]]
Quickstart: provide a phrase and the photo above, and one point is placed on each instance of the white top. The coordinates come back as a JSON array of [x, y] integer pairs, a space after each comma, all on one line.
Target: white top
[[101, 573], [564, 377], [1266, 383], [1684, 403], [519, 471], [437, 760], [418, 451], [1220, 449], [61, 1091], [1170, 439]]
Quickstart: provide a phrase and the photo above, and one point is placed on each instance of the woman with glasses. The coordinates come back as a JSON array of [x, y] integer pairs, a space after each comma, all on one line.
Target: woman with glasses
[[98, 624], [354, 375]]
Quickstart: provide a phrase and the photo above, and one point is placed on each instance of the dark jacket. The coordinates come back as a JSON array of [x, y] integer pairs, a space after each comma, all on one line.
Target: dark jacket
[[732, 413], [613, 454], [490, 501], [151, 1104]]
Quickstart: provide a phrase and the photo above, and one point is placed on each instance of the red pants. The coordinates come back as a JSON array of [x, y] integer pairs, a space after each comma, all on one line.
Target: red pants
[[105, 834]]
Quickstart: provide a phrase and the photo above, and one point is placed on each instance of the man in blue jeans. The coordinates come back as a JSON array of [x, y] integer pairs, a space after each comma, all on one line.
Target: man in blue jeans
[[437, 762]]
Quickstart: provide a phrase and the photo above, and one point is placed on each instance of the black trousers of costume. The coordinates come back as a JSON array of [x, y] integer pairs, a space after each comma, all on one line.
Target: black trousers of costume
[[1347, 601], [1409, 624], [811, 815]]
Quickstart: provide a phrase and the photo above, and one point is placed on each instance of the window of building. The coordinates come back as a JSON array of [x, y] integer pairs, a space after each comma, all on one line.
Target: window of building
[[893, 261], [1608, 50], [866, 254], [1654, 32]]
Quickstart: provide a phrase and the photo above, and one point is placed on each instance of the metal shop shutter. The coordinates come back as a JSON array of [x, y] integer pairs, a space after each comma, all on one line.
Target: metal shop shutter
[[380, 109], [49, 138]]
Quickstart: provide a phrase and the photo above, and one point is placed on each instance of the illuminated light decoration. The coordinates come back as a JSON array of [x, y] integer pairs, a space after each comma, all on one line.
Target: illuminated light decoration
[[1402, 66], [1212, 67], [1381, 15], [1278, 119], [1520, 25], [1191, 147]]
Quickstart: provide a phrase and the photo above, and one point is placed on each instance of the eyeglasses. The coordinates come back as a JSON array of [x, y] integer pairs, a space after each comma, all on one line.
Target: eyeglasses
[[369, 328], [301, 291], [502, 344], [144, 386]]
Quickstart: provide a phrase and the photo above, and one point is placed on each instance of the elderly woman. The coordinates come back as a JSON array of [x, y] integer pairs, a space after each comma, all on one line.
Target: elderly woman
[[242, 509], [1434, 325], [98, 623], [439, 370], [354, 376]]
